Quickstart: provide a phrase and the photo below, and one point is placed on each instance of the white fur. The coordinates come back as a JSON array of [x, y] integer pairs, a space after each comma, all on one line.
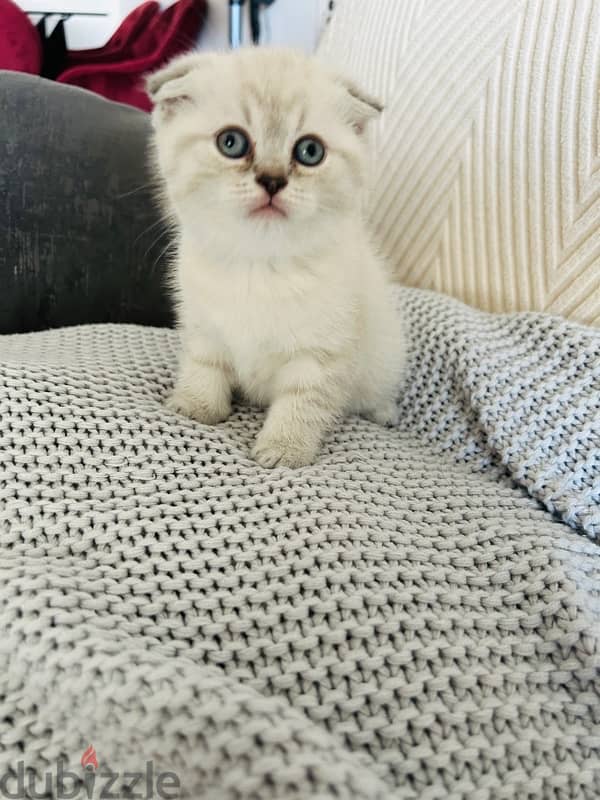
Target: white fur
[[296, 312]]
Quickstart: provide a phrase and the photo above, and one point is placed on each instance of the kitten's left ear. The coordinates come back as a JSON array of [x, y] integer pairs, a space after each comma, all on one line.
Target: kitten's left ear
[[361, 106]]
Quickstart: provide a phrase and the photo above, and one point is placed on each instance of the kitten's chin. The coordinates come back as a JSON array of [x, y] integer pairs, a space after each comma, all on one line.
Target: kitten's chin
[[235, 235]]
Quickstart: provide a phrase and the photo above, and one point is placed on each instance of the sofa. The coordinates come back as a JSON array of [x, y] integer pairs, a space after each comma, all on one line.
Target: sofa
[[416, 615]]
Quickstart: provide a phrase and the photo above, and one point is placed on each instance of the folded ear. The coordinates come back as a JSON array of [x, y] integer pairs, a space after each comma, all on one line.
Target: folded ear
[[170, 86], [361, 106]]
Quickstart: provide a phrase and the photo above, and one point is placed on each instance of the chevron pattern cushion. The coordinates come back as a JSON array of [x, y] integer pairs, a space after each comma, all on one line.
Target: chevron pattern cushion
[[486, 173]]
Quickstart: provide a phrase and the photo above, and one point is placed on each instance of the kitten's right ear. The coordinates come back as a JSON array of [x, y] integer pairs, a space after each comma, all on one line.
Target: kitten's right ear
[[169, 87], [362, 107]]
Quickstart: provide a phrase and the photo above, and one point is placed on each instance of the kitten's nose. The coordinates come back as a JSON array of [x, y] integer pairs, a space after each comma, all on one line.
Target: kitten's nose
[[272, 183]]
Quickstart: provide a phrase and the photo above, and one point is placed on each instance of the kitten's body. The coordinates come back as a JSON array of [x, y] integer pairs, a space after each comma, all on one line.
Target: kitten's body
[[294, 310]]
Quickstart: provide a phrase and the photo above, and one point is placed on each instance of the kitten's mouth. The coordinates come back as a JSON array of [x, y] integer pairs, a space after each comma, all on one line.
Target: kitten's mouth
[[268, 210]]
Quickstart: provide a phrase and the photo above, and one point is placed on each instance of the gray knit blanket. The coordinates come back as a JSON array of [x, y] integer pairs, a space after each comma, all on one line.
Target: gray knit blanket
[[415, 616]]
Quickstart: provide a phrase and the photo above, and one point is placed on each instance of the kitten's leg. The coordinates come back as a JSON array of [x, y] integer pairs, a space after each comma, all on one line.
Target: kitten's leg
[[309, 397], [203, 387], [378, 398], [385, 413], [384, 374]]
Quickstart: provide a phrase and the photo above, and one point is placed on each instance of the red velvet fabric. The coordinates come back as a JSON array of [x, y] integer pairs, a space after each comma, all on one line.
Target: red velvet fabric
[[128, 41], [163, 36], [20, 46]]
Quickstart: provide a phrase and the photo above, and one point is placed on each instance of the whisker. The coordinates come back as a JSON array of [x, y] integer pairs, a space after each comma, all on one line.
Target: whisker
[[160, 236], [149, 228], [162, 253], [154, 183]]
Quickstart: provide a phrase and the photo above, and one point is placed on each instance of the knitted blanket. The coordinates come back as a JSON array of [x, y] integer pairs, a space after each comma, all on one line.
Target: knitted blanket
[[415, 616]]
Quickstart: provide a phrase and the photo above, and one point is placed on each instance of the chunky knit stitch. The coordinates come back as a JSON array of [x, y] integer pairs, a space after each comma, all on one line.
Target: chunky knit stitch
[[414, 616]]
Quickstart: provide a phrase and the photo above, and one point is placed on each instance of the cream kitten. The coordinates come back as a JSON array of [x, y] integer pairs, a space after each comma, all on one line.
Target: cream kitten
[[279, 292]]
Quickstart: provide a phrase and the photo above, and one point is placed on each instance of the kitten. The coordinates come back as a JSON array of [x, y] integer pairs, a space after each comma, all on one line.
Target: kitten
[[279, 292]]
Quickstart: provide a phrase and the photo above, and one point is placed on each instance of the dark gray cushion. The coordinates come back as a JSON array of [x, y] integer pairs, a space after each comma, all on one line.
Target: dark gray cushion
[[80, 235]]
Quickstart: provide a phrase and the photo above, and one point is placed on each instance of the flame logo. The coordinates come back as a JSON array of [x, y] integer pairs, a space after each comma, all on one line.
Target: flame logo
[[89, 758]]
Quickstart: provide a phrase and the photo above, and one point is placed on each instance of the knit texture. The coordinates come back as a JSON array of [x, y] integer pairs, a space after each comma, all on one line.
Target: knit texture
[[411, 617]]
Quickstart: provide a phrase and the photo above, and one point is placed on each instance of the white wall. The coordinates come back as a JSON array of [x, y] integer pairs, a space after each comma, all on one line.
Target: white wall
[[81, 32], [294, 23]]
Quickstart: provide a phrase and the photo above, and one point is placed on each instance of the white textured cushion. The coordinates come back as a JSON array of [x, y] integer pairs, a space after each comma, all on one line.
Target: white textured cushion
[[487, 157]]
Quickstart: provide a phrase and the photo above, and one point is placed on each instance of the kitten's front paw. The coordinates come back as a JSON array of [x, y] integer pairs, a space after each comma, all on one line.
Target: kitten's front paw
[[271, 452], [198, 408], [386, 415]]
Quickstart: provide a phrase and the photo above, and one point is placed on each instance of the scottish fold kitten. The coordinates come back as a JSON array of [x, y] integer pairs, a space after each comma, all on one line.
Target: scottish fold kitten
[[279, 292]]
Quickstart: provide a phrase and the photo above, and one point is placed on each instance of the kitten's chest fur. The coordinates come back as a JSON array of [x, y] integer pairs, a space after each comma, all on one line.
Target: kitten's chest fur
[[261, 314]]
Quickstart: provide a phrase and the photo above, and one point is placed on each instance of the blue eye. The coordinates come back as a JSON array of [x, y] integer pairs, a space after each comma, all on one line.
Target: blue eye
[[233, 143], [309, 151]]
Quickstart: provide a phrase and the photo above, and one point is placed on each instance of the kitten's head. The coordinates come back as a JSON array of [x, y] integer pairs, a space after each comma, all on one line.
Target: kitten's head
[[261, 151]]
